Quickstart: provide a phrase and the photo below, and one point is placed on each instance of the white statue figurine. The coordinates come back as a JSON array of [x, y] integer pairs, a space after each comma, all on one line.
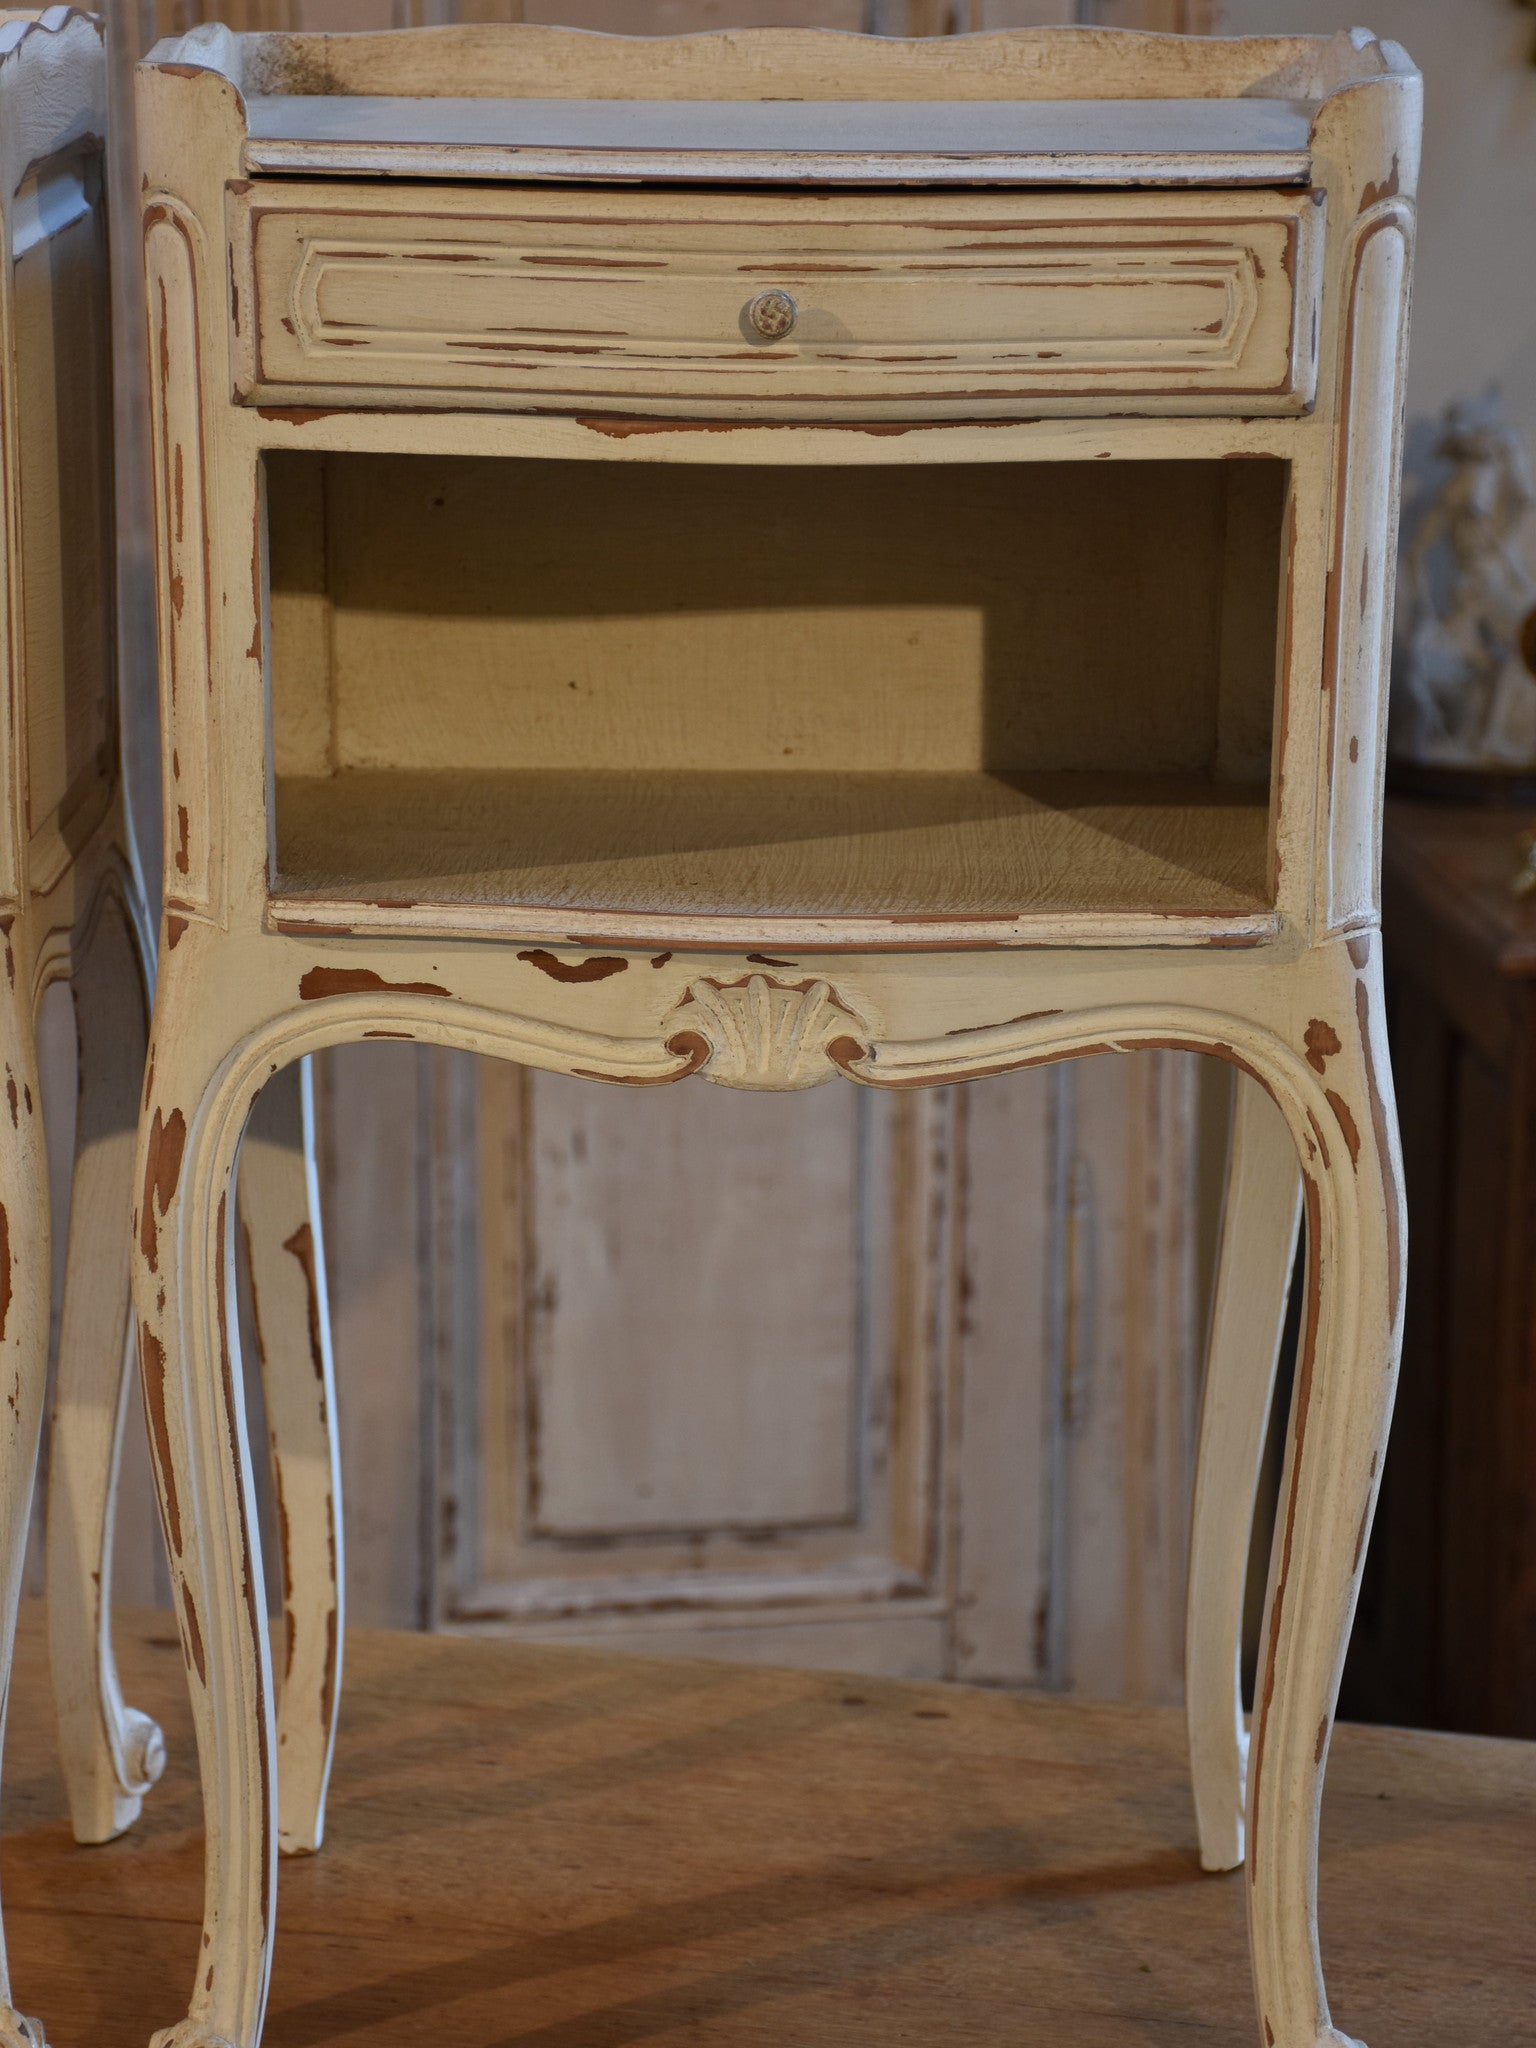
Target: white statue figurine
[[1464, 695]]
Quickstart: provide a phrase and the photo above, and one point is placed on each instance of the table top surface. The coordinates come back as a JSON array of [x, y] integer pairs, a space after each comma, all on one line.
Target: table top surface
[[1195, 141], [567, 1848]]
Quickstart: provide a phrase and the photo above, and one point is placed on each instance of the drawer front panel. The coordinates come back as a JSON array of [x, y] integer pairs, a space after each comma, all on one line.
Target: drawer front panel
[[910, 306]]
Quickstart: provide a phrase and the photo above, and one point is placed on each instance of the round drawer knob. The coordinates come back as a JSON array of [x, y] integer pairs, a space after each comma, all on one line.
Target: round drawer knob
[[773, 315]]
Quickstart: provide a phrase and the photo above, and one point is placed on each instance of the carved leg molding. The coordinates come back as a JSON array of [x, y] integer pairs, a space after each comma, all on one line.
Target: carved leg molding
[[111, 1754], [24, 1314], [183, 1272], [280, 1217], [1261, 1215], [1345, 1379]]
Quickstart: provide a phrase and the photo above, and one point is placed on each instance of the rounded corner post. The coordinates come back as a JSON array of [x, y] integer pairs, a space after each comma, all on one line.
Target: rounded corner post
[[1367, 145]]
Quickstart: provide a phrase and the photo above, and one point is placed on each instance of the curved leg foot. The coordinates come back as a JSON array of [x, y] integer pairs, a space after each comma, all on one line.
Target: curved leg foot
[[1260, 1220], [24, 1313], [111, 1754], [1345, 1379], [183, 1291], [280, 1216]]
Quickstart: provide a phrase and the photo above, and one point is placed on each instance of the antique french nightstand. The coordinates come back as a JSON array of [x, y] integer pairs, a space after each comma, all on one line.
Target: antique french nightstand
[[71, 904], [784, 557], [72, 909]]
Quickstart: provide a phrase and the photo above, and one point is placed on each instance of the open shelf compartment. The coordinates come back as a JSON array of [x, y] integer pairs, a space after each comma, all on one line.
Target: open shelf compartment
[[631, 691]]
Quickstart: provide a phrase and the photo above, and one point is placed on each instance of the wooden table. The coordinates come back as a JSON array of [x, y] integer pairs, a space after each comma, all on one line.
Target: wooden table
[[580, 1850]]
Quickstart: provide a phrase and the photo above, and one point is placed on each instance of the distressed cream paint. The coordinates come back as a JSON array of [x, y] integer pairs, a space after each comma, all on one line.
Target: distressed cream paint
[[278, 942]]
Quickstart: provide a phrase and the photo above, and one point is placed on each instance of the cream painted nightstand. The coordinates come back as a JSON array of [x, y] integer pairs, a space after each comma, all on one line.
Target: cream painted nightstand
[[71, 902], [786, 557], [72, 910]]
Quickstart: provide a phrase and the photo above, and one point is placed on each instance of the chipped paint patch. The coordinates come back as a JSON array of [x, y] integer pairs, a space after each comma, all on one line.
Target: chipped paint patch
[[321, 982], [192, 1637], [1026, 1017], [1346, 1124], [598, 967], [296, 415], [1317, 1132], [162, 1171], [301, 1246], [1387, 188], [1323, 1042], [152, 1365]]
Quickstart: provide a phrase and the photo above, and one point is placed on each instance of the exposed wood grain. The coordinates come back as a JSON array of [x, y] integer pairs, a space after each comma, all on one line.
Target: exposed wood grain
[[562, 1846]]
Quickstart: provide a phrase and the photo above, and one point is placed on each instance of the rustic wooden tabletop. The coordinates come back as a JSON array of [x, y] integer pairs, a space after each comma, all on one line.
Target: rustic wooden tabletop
[[575, 1849]]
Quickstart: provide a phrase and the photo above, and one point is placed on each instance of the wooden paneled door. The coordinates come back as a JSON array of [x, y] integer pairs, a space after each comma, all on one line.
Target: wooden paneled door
[[951, 1433]]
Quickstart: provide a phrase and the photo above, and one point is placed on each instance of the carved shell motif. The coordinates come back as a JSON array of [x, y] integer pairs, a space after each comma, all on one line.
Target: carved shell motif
[[761, 1033]]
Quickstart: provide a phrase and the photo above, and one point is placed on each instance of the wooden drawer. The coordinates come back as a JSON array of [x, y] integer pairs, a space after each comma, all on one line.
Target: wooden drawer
[[891, 306]]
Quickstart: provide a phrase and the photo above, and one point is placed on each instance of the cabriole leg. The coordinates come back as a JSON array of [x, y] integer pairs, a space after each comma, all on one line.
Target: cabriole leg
[[280, 1216], [24, 1305], [1345, 1379], [1256, 1256], [111, 1754], [183, 1278]]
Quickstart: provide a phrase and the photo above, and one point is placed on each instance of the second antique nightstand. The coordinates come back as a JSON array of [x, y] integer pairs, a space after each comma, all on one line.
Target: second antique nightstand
[[780, 556]]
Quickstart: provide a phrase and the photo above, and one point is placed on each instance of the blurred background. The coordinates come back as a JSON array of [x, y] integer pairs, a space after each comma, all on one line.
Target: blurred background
[[952, 1433]]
